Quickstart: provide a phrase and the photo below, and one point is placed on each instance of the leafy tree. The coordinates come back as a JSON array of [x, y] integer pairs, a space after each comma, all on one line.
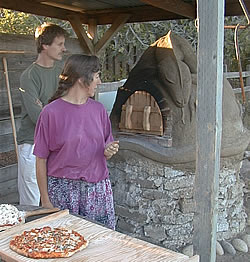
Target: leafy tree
[[14, 22]]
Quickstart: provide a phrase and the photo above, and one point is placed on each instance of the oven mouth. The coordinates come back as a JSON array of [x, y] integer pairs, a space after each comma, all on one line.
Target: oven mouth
[[141, 114]]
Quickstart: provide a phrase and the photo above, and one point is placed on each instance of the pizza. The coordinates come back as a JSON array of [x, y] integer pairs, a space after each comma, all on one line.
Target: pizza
[[9, 216], [48, 242]]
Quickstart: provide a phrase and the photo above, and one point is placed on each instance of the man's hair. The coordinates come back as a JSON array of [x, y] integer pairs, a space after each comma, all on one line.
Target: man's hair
[[46, 33]]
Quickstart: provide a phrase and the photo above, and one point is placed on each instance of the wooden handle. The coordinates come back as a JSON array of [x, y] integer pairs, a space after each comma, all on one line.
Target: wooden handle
[[41, 211], [10, 103]]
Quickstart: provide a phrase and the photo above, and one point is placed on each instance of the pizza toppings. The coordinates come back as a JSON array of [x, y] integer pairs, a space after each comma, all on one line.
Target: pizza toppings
[[9, 215], [48, 242]]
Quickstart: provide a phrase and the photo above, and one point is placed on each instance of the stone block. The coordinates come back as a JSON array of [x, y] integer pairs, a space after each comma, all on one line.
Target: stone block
[[155, 232], [124, 226]]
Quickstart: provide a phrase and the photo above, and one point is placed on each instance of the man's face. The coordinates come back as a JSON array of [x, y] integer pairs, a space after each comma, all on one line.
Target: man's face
[[56, 49]]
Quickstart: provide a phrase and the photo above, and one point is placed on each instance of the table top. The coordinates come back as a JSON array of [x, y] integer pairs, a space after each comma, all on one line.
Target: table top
[[104, 244]]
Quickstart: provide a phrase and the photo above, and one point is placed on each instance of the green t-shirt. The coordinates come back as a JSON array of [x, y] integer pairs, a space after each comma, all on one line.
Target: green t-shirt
[[37, 85]]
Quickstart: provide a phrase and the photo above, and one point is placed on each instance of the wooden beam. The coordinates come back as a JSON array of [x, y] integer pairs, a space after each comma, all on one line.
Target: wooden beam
[[33, 7], [155, 11], [83, 38], [235, 8], [209, 126], [177, 6], [116, 26], [92, 29], [63, 6], [138, 14]]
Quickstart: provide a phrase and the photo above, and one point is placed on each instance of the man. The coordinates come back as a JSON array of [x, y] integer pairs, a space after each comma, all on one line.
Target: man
[[37, 84]]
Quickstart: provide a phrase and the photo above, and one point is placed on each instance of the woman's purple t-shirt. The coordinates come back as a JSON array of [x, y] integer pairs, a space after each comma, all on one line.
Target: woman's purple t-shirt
[[72, 138]]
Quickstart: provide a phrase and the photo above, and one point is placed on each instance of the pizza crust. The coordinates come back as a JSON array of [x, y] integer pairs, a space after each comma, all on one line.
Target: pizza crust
[[47, 242]]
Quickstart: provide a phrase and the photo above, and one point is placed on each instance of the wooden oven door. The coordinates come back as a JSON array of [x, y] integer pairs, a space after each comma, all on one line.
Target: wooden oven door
[[141, 114]]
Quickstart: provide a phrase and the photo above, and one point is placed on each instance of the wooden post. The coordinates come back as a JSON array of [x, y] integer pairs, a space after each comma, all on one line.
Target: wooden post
[[209, 126], [10, 103]]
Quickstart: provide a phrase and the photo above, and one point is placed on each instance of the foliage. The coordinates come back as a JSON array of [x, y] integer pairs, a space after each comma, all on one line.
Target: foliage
[[13, 22]]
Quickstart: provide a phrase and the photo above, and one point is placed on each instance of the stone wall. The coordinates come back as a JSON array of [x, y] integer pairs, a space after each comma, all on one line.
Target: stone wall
[[154, 202]]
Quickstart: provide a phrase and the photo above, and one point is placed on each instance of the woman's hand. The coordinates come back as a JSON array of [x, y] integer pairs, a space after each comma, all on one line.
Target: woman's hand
[[47, 205], [111, 149]]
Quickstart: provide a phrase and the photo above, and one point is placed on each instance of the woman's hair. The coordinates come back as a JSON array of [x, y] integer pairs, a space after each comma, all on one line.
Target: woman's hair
[[76, 66], [46, 33]]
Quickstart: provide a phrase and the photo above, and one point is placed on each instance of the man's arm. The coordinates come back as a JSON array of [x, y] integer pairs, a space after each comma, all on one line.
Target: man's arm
[[41, 175], [30, 92]]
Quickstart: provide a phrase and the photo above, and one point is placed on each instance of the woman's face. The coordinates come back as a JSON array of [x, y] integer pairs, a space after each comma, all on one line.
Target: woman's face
[[93, 85]]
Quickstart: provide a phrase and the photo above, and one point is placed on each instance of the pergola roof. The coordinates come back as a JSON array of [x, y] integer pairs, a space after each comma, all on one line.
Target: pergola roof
[[106, 11]]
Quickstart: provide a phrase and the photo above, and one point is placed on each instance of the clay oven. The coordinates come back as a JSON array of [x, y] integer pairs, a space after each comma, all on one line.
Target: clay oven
[[154, 118]]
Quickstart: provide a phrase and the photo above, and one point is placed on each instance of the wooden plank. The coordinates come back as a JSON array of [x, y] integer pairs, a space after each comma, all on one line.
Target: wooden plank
[[138, 14], [14, 78], [8, 187], [101, 241], [15, 97], [7, 143], [178, 7], [209, 126], [8, 173], [37, 8], [12, 198], [234, 8], [5, 126], [26, 44], [5, 112], [18, 63]]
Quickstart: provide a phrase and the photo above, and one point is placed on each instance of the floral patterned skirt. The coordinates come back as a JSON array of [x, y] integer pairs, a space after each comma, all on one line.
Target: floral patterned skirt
[[92, 200]]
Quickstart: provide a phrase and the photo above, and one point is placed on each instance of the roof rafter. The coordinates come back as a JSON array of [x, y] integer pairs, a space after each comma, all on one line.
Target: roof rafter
[[175, 6]]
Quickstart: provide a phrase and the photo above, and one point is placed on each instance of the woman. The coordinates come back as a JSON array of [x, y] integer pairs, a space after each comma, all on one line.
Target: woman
[[73, 139]]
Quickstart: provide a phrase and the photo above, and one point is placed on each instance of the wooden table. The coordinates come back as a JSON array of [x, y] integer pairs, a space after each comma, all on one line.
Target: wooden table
[[104, 244]]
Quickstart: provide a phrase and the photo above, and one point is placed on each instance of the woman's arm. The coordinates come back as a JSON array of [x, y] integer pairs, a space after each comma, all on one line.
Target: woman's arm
[[41, 175]]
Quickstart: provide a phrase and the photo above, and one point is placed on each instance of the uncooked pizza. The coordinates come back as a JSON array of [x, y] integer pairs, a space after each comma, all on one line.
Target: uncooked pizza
[[9, 216], [48, 242]]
